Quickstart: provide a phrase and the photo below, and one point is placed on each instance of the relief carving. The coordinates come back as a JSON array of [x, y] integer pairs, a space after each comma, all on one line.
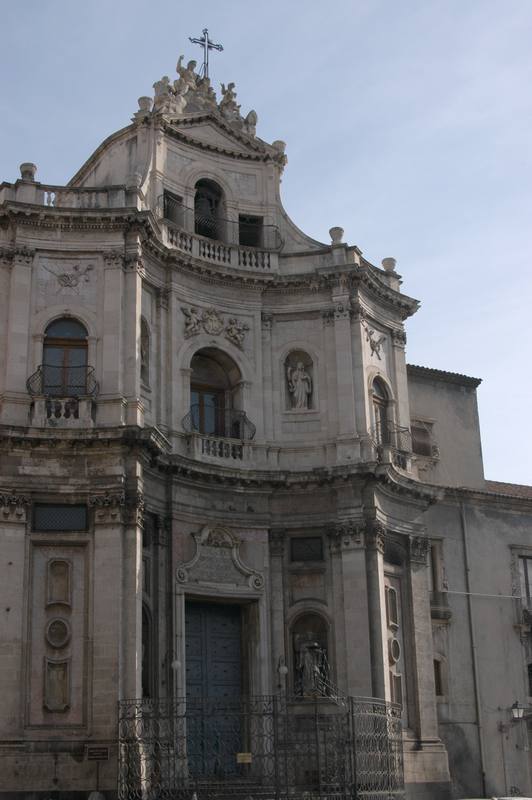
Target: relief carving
[[419, 547], [70, 279], [346, 535], [217, 562], [213, 322], [14, 506], [375, 345], [58, 633]]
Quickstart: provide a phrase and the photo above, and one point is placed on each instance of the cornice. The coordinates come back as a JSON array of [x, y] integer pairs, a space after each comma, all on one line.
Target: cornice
[[254, 142], [430, 374]]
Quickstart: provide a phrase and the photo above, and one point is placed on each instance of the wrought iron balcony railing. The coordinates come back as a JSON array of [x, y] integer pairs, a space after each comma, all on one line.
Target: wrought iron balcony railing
[[53, 381], [245, 232], [394, 437], [260, 746], [226, 423]]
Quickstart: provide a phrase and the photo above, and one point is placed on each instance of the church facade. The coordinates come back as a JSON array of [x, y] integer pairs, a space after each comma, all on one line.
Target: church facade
[[245, 545]]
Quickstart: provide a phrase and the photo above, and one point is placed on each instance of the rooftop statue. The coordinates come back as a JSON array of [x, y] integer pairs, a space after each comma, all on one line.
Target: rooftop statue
[[229, 108], [188, 79]]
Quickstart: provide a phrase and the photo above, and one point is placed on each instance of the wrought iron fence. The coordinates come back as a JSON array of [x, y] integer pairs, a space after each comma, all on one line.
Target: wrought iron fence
[[260, 747], [397, 438], [228, 423], [63, 381]]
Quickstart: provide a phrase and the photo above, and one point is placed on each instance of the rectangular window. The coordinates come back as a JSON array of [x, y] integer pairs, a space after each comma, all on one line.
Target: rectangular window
[[438, 678], [306, 548], [421, 439], [249, 231], [59, 517], [173, 208], [525, 571]]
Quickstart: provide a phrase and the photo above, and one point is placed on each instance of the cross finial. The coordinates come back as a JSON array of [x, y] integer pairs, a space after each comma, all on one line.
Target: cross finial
[[207, 45]]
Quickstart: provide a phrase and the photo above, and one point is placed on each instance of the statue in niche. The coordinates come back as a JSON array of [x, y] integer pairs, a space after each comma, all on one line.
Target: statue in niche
[[312, 669], [299, 386]]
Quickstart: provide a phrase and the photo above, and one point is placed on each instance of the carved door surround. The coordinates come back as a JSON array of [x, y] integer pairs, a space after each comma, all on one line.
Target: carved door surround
[[217, 573]]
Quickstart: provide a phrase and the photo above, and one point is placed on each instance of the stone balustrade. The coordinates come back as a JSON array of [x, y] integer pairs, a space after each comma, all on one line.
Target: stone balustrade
[[62, 412], [216, 252], [70, 197], [203, 447]]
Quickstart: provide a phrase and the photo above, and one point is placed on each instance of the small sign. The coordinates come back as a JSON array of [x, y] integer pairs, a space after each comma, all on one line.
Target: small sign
[[243, 758], [97, 753]]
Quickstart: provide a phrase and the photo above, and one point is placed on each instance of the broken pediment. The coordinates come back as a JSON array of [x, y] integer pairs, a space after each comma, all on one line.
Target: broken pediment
[[217, 563]]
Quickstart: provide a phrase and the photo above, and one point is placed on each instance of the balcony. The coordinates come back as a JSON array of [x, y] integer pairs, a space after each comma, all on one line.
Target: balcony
[[227, 438], [232, 243], [63, 397], [393, 444], [260, 746]]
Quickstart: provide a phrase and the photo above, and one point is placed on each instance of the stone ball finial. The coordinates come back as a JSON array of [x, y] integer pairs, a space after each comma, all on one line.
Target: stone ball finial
[[389, 264], [336, 235], [145, 104], [27, 171]]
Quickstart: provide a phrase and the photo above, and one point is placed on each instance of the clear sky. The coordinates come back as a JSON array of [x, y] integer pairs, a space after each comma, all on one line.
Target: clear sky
[[407, 123]]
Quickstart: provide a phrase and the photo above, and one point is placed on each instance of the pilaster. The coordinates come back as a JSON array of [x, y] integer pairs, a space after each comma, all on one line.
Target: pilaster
[[375, 539], [344, 373], [16, 403], [277, 538]]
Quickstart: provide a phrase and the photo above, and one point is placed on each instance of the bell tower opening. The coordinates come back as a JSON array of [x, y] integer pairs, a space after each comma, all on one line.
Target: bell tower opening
[[208, 209]]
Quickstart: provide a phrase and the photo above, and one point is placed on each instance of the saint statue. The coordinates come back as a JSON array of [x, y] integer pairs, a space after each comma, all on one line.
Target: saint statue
[[187, 77], [312, 669], [299, 385]]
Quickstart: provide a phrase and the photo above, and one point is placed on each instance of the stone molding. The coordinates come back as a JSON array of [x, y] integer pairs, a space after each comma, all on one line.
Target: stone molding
[[277, 537], [375, 536], [118, 506]]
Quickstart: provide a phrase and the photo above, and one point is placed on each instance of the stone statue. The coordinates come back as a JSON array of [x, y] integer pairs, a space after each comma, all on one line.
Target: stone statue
[[250, 123], [312, 669], [187, 77], [228, 105], [299, 385]]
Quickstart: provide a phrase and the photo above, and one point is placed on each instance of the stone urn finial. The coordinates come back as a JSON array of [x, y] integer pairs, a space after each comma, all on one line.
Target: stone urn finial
[[389, 264], [336, 235], [27, 171]]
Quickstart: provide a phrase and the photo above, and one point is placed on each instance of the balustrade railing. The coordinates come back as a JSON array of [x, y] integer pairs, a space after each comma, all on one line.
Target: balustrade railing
[[262, 746]]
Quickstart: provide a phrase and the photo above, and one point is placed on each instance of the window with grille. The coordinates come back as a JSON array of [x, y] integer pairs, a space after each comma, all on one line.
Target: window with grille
[[48, 517], [173, 208], [306, 548], [421, 439], [525, 571], [249, 231]]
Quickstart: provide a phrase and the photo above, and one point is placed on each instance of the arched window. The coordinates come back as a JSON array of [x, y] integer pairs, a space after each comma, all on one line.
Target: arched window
[[144, 352], [208, 209], [310, 654], [215, 396], [65, 358], [380, 412]]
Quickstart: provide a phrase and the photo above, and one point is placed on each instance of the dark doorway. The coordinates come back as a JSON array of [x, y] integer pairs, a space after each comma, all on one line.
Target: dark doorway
[[213, 675]]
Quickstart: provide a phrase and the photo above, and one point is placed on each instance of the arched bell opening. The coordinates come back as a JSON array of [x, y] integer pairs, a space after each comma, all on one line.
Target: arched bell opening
[[209, 210]]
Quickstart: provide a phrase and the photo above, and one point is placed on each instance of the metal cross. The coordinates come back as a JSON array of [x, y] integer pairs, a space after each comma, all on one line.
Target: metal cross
[[207, 45]]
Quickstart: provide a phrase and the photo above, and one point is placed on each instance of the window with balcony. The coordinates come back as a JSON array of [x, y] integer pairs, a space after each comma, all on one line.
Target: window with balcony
[[208, 210], [64, 365], [216, 397]]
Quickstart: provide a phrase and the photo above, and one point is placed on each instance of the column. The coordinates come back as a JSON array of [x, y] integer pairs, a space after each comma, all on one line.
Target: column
[[107, 554], [425, 722], [349, 566], [16, 398], [346, 449], [131, 334], [377, 608], [277, 538], [110, 400], [12, 598]]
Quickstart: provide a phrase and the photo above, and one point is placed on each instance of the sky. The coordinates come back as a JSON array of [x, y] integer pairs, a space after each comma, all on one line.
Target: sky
[[408, 124]]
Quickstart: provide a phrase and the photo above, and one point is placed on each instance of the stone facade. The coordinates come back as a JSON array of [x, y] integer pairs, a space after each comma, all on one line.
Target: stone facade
[[236, 423]]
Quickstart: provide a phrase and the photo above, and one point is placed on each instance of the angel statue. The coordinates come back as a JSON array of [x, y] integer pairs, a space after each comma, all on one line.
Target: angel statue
[[228, 105], [299, 385]]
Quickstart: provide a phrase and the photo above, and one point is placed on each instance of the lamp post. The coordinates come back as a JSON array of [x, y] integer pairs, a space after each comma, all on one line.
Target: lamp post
[[518, 711]]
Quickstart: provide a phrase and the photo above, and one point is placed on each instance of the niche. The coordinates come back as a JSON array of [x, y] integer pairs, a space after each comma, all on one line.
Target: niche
[[299, 381]]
